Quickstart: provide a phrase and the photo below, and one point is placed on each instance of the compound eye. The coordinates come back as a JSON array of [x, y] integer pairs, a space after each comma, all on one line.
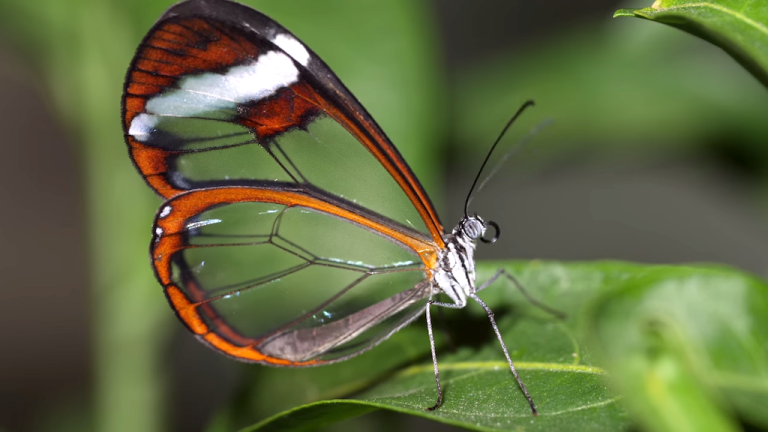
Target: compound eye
[[473, 228]]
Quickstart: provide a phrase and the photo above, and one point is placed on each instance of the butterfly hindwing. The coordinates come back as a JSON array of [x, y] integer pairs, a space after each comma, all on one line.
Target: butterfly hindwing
[[280, 277]]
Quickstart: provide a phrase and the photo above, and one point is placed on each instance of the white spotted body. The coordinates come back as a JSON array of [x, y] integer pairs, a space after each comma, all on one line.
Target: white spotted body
[[455, 275]]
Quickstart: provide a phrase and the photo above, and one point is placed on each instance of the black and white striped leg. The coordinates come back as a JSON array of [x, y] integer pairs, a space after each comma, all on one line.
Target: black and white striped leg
[[432, 348], [434, 359], [502, 272], [506, 353]]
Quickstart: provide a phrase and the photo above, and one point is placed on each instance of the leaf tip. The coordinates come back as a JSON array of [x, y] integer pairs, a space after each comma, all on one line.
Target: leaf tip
[[624, 13]]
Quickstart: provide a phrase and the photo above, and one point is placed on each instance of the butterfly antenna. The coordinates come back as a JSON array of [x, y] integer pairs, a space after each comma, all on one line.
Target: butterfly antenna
[[515, 148], [528, 103]]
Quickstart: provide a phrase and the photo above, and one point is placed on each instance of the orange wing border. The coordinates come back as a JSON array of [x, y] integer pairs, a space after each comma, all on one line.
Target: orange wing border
[[170, 225]]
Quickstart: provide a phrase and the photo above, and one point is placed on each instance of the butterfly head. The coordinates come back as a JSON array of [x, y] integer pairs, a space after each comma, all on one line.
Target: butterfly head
[[474, 227]]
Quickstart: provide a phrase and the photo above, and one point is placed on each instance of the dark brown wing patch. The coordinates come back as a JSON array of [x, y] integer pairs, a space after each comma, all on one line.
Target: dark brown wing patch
[[281, 112]]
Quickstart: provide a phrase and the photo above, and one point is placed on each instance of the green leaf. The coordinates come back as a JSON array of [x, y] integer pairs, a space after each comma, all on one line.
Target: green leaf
[[688, 346], [740, 27], [477, 382], [707, 348]]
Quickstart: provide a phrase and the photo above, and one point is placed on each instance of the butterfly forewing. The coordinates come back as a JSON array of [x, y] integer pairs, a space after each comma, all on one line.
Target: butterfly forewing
[[235, 99]]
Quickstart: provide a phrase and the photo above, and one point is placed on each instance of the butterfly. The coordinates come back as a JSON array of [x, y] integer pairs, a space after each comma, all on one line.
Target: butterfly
[[293, 232]]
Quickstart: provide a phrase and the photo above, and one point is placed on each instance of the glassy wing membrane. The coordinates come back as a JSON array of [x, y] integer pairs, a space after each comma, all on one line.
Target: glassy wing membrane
[[220, 95], [278, 276]]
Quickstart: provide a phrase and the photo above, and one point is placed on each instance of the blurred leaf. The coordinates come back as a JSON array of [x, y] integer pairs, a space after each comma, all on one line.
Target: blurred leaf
[[614, 87], [713, 354], [266, 391], [740, 27], [82, 50], [688, 347]]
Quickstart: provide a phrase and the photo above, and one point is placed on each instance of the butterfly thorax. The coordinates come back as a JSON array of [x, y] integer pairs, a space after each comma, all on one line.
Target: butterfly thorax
[[455, 275]]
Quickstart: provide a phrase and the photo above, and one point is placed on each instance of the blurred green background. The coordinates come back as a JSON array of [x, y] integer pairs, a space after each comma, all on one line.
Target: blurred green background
[[654, 152]]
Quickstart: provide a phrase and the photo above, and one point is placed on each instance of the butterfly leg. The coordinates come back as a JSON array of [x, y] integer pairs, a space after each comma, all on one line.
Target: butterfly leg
[[432, 348], [502, 272], [506, 353]]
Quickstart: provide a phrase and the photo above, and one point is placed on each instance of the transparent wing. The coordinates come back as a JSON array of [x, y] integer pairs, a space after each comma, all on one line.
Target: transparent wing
[[278, 276], [220, 95]]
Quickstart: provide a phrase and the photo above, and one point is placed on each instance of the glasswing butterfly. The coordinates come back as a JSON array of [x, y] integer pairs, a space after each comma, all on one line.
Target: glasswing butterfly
[[294, 233]]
